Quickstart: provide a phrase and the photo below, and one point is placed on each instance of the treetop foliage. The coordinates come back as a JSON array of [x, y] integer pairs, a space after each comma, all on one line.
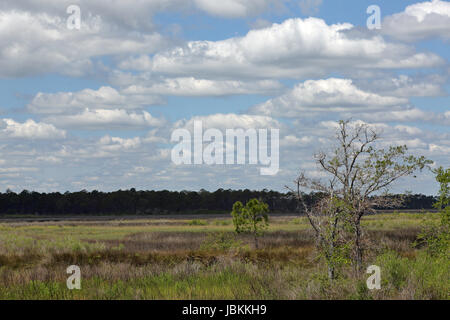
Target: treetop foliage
[[251, 218]]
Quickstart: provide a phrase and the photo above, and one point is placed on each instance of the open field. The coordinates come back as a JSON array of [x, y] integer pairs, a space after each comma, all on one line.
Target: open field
[[192, 257]]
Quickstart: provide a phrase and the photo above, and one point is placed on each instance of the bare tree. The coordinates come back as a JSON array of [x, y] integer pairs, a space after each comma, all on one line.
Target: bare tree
[[358, 179], [329, 220]]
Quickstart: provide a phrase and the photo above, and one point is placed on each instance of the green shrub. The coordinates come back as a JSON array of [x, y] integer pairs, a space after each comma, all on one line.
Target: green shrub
[[394, 270], [222, 222], [198, 222], [431, 277], [424, 277], [362, 292], [437, 237]]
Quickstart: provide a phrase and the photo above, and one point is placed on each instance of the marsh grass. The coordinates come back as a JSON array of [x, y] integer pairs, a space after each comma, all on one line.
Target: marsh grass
[[182, 259]]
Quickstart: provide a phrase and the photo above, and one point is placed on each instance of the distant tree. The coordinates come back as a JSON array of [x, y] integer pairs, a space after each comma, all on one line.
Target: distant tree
[[147, 202], [251, 218], [358, 179]]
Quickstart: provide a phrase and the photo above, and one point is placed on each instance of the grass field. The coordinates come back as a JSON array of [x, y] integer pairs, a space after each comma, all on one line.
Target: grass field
[[202, 258]]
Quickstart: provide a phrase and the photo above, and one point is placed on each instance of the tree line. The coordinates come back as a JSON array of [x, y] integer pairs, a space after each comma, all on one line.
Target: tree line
[[133, 202]]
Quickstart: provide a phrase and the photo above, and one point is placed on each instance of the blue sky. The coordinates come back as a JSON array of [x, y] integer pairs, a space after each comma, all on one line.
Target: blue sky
[[94, 107]]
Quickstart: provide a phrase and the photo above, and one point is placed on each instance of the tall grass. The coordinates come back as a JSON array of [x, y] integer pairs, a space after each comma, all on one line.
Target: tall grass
[[196, 259]]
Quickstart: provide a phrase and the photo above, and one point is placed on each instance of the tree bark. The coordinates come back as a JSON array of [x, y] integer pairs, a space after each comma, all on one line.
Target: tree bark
[[331, 272], [358, 248]]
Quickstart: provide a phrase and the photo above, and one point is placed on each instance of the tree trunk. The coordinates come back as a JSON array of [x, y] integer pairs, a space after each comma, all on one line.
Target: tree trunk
[[330, 262], [331, 272], [256, 241], [358, 248]]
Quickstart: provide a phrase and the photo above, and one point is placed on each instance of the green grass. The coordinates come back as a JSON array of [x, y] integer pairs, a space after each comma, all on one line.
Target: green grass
[[403, 279]]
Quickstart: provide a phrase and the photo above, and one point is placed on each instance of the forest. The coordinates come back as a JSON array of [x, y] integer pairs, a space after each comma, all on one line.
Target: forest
[[133, 202]]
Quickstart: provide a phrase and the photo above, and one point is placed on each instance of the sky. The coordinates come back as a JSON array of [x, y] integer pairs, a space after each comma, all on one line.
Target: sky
[[93, 106]]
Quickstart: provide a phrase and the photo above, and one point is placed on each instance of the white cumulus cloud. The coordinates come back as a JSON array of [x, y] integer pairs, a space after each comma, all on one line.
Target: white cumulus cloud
[[106, 119], [420, 21], [329, 95], [29, 130], [295, 48], [230, 121], [104, 98]]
